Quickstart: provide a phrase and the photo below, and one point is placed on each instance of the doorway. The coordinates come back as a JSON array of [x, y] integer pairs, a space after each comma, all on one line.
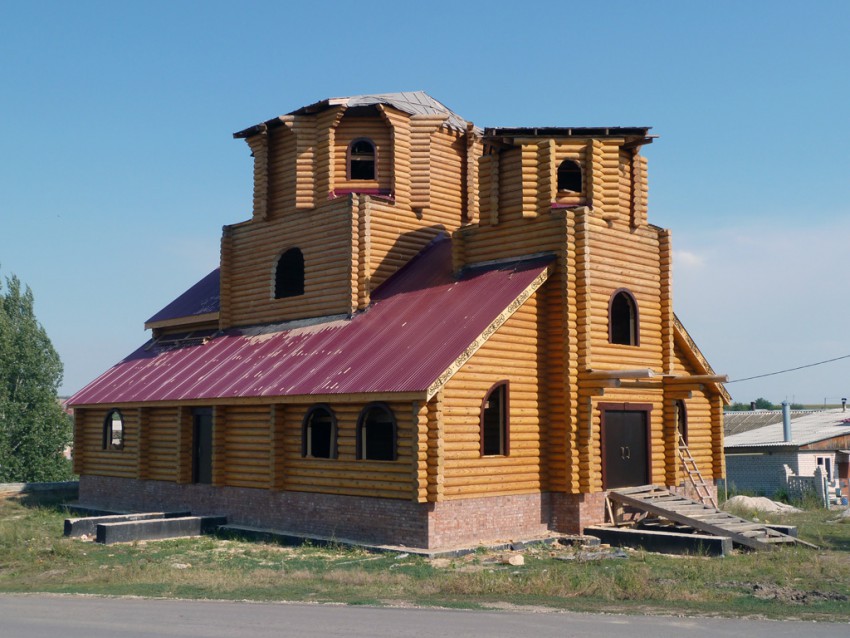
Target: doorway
[[625, 446], [202, 440]]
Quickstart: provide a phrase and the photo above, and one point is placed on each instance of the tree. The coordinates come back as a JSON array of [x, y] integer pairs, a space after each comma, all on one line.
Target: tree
[[34, 429]]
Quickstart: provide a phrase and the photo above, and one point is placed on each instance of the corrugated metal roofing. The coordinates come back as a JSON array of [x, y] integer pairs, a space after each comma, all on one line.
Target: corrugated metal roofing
[[420, 321], [811, 428], [200, 299], [737, 422]]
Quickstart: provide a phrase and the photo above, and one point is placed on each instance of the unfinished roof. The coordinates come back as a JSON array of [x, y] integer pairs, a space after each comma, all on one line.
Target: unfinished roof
[[423, 324], [817, 426], [410, 102], [635, 136]]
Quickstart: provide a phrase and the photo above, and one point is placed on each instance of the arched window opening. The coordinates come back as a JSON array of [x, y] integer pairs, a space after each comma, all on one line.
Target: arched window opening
[[569, 176], [494, 421], [376, 433], [623, 319], [113, 430], [682, 420], [318, 438], [289, 274], [361, 160]]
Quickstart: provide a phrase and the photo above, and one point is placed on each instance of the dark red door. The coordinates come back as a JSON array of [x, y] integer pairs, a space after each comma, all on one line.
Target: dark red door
[[624, 441]]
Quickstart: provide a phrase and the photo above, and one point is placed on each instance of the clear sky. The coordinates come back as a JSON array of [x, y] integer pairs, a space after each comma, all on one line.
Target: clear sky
[[119, 167]]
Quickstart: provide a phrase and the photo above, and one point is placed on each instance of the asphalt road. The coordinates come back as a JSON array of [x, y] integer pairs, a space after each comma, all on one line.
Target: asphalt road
[[39, 616]]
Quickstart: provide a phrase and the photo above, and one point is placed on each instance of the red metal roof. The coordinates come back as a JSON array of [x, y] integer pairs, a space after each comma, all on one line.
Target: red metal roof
[[420, 321]]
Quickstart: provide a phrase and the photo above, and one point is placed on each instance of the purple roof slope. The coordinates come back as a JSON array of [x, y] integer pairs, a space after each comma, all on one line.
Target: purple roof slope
[[200, 299], [420, 322]]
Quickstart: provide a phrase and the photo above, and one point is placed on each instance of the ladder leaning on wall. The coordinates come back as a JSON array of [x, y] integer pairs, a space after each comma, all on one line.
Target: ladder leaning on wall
[[695, 478]]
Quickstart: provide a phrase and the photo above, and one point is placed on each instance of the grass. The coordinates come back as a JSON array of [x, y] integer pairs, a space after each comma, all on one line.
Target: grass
[[794, 582]]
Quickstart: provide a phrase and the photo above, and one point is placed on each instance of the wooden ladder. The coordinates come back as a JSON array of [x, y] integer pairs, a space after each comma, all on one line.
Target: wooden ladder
[[695, 478], [686, 513]]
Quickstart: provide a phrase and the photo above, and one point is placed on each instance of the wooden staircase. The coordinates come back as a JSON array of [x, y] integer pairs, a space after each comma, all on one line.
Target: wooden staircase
[[685, 513]]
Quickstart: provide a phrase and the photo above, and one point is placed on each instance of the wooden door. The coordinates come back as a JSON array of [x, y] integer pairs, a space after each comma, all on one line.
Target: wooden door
[[202, 445], [625, 444]]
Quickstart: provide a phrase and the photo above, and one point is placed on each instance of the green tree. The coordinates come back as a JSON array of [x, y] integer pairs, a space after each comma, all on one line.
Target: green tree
[[34, 429]]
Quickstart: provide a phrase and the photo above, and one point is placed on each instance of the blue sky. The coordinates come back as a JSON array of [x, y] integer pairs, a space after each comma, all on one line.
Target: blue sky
[[119, 169]]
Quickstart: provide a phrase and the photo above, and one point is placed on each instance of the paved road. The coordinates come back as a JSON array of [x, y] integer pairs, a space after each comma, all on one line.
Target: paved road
[[39, 616]]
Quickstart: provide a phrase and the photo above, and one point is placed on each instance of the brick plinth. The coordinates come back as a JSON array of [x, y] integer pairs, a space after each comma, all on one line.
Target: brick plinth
[[571, 513], [380, 521]]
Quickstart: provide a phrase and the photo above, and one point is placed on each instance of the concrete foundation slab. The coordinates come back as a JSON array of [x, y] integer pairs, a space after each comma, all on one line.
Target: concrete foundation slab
[[663, 542]]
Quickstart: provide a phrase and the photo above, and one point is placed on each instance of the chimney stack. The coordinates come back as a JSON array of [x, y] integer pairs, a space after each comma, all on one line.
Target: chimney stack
[[786, 421]]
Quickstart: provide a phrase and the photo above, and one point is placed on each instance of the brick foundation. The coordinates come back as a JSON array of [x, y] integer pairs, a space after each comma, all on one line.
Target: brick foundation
[[379, 521]]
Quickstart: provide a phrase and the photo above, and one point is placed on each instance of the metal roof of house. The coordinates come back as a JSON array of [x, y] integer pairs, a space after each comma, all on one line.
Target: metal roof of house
[[817, 426], [200, 299], [422, 323], [411, 102], [736, 422]]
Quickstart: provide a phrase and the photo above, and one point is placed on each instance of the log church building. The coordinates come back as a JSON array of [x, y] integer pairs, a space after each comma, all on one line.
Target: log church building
[[426, 334]]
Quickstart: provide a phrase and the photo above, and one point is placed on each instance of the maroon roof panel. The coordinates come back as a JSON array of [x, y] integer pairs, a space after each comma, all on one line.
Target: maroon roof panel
[[200, 299], [420, 321]]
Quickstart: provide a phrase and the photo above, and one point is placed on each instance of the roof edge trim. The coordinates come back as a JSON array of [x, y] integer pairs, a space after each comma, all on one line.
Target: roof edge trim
[[479, 341]]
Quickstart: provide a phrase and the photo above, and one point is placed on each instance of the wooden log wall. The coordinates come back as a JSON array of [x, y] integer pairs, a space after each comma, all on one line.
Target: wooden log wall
[[88, 439], [259, 446], [376, 129], [283, 168], [396, 235], [401, 145], [577, 151], [621, 257], [247, 437], [466, 473], [346, 475], [162, 446], [704, 410], [323, 235]]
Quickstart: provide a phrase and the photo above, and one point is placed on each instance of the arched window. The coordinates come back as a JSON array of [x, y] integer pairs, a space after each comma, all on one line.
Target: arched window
[[376, 433], [682, 420], [113, 430], [289, 274], [623, 319], [361, 160], [318, 433], [569, 176], [494, 421]]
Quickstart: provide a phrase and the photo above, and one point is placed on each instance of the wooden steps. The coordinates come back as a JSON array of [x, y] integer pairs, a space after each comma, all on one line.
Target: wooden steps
[[683, 512]]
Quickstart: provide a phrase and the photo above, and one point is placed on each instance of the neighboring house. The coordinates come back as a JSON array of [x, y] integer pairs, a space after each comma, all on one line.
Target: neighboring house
[[761, 460], [427, 334]]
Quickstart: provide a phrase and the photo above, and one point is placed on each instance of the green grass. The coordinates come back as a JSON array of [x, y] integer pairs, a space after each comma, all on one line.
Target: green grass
[[793, 582]]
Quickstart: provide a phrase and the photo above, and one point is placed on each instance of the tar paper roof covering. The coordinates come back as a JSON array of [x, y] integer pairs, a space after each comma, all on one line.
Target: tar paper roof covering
[[817, 426], [421, 320]]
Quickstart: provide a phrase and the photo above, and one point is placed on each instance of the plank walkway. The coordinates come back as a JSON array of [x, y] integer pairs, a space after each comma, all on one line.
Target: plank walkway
[[682, 511]]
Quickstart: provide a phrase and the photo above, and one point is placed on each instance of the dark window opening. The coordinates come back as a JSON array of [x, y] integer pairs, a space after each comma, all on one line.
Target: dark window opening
[[319, 433], [494, 421], [289, 275], [361, 160], [569, 176], [623, 320], [682, 421], [376, 434], [113, 431]]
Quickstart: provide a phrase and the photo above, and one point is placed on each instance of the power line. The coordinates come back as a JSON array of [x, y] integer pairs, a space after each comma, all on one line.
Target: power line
[[809, 365]]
